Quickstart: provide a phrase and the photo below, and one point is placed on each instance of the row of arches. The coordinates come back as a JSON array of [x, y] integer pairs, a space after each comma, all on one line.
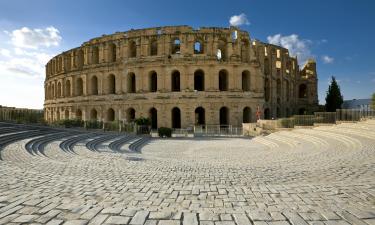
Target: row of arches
[[302, 90], [175, 115], [109, 53], [110, 84]]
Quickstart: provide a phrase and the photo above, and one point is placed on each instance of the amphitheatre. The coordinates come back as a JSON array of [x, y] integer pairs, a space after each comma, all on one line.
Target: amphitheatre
[[316, 169], [179, 77]]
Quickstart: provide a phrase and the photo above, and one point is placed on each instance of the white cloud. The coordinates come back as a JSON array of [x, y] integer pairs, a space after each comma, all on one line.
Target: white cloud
[[238, 20], [23, 56], [327, 59], [297, 47], [35, 38]]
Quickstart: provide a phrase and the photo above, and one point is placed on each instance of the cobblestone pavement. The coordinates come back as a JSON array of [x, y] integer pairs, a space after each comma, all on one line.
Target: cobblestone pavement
[[324, 175]]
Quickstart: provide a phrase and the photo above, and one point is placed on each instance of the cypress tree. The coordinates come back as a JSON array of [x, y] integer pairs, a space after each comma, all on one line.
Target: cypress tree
[[334, 99]]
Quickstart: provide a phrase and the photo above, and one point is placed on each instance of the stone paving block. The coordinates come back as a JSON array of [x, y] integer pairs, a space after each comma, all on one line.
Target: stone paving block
[[139, 218], [169, 222], [55, 222], [98, 219], [118, 220], [190, 219], [294, 218], [76, 222]]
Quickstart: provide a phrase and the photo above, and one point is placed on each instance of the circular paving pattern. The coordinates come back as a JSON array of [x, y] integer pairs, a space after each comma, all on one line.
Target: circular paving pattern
[[324, 175]]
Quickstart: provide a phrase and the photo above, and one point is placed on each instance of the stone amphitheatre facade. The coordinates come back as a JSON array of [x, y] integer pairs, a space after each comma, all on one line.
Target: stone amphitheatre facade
[[179, 77]]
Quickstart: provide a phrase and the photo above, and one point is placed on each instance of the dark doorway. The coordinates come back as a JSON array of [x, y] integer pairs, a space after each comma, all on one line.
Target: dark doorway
[[176, 118]]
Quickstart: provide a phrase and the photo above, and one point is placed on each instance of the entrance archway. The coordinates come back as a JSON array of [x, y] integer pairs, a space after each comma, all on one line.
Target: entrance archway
[[153, 115], [200, 117], [224, 116], [176, 118]]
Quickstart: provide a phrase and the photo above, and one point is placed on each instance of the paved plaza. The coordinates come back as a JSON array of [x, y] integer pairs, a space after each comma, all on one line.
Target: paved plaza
[[324, 175]]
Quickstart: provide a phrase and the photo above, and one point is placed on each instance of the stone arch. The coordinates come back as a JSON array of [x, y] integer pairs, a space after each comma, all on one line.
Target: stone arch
[[94, 85], [153, 47], [267, 89], [266, 66], [53, 91], [246, 80], [153, 81], [110, 115], [198, 47], [224, 116], [79, 114], [131, 85], [112, 52], [302, 91], [176, 117], [93, 114], [222, 50], [199, 80], [132, 49], [302, 111], [246, 115], [267, 114], [66, 114], [130, 114], [175, 81], [59, 90], [223, 80], [200, 116], [79, 86], [153, 115], [95, 55], [176, 46], [111, 84], [67, 88], [58, 114]]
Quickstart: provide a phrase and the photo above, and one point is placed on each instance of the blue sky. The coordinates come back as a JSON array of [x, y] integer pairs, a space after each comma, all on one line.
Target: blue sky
[[338, 34]]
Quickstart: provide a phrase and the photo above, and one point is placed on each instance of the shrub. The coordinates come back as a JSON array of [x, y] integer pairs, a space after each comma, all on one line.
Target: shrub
[[142, 121], [165, 132], [70, 123], [94, 124]]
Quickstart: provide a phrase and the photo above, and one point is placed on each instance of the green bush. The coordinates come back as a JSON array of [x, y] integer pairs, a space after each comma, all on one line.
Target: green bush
[[94, 124], [142, 121], [68, 123], [165, 132]]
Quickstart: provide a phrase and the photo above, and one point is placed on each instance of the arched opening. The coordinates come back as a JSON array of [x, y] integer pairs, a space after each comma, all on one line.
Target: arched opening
[[59, 93], [94, 85], [245, 50], [267, 89], [223, 80], [131, 83], [199, 80], [175, 81], [67, 62], [198, 47], [153, 47], [266, 66], [79, 87], [132, 49], [53, 91], [95, 55], [67, 89], [200, 117], [110, 115], [224, 116], [176, 46], [48, 94], [58, 114], [80, 58], [221, 50], [93, 114], [287, 90], [278, 88], [79, 114], [302, 111], [111, 84], [66, 114], [153, 81], [302, 91], [153, 115], [278, 112], [112, 52], [267, 114], [246, 116], [130, 115], [176, 118], [246, 80]]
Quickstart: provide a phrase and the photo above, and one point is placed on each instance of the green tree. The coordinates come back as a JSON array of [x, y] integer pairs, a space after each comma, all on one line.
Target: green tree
[[373, 102], [334, 98]]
